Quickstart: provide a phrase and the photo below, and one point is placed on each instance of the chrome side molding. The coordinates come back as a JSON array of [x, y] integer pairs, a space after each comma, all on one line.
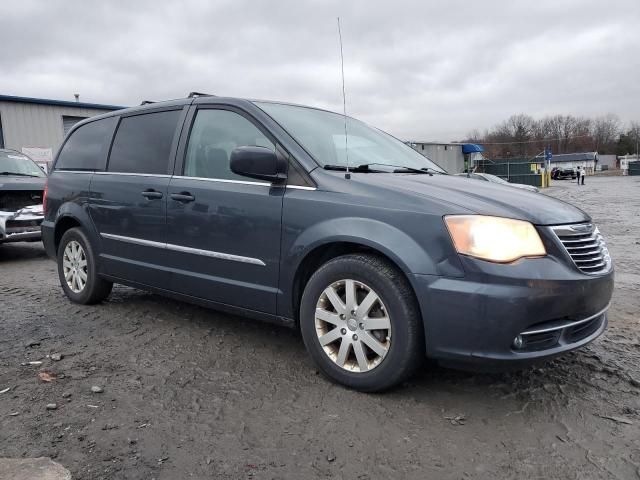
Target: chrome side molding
[[183, 249]]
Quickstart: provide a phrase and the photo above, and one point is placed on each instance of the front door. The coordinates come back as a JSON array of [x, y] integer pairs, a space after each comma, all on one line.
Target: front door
[[223, 230], [128, 201]]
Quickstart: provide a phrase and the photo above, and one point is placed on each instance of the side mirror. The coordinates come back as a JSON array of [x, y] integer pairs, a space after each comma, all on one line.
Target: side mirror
[[258, 162]]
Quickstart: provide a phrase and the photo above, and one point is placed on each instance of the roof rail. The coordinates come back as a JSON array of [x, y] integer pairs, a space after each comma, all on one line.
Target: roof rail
[[198, 94], [147, 102]]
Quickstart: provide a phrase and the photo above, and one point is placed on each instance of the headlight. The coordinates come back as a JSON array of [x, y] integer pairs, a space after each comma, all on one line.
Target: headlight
[[495, 239]]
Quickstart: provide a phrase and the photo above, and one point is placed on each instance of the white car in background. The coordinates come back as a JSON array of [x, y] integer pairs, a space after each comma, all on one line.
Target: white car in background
[[487, 177]]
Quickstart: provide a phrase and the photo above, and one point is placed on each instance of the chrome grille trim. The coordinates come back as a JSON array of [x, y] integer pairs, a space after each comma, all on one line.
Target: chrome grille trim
[[570, 323], [586, 247]]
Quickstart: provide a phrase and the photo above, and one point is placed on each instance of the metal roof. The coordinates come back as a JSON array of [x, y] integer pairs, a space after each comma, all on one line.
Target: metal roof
[[574, 157], [59, 103], [472, 148]]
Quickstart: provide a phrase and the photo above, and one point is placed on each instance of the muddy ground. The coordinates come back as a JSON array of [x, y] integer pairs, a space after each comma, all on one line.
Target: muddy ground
[[191, 393]]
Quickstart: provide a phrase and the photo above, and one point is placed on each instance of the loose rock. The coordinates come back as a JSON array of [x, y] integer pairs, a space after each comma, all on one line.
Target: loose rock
[[56, 357], [52, 406], [97, 389], [33, 468]]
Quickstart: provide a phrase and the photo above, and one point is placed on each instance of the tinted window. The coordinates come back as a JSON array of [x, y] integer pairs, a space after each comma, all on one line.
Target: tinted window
[[214, 135], [143, 143], [87, 147]]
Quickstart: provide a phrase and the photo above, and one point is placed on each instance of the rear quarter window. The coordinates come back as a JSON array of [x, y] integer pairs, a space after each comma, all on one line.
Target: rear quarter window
[[143, 143], [87, 147]]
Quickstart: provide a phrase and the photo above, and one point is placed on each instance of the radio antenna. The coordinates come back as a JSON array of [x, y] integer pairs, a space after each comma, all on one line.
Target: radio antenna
[[347, 174]]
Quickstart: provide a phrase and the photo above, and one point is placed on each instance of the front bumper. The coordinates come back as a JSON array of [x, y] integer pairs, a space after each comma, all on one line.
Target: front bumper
[[22, 225], [474, 321]]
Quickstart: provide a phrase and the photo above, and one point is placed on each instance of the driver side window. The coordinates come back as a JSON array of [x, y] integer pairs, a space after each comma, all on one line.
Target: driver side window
[[214, 135]]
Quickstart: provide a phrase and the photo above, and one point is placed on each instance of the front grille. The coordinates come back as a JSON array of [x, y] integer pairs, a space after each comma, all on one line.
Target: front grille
[[20, 226], [12, 200], [546, 335], [585, 246], [582, 330]]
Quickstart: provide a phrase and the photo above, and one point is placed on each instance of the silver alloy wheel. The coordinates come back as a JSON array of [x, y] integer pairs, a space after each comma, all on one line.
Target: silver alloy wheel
[[74, 266], [353, 326]]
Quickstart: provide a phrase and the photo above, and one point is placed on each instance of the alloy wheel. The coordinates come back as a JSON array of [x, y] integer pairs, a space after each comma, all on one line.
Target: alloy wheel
[[74, 266], [353, 325]]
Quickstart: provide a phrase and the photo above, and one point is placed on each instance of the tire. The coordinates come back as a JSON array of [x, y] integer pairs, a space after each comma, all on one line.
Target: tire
[[374, 369], [94, 289]]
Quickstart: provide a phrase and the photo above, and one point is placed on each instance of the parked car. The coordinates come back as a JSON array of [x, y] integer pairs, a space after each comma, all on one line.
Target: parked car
[[558, 173], [487, 177], [374, 252], [21, 193]]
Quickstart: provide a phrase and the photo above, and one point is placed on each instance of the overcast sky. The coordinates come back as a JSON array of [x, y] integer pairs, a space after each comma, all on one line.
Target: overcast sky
[[422, 70]]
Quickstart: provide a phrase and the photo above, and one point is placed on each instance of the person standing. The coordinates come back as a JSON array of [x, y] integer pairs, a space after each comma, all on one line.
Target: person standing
[[579, 173], [583, 173]]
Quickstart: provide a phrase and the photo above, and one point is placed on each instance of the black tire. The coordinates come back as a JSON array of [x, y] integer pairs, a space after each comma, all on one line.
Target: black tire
[[406, 351], [95, 289]]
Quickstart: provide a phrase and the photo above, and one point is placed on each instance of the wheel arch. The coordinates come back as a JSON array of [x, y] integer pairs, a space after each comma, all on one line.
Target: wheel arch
[[322, 253], [69, 216]]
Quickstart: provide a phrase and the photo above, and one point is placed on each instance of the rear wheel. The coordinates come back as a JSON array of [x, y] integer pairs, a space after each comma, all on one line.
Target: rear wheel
[[360, 323], [77, 269]]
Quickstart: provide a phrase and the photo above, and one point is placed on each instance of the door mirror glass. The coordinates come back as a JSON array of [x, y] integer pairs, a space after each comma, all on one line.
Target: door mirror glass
[[258, 162]]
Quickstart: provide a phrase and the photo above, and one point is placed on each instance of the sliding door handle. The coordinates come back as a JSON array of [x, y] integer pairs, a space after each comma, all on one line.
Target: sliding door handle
[[151, 194], [183, 197]]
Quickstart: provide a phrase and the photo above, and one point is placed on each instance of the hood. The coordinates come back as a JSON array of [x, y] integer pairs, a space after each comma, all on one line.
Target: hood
[[483, 198], [8, 182]]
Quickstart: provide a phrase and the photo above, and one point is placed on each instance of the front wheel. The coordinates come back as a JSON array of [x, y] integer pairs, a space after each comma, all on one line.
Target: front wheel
[[77, 269], [360, 323]]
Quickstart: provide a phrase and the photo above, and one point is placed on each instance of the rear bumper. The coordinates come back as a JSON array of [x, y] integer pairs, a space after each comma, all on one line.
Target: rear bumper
[[474, 321], [48, 238], [22, 225]]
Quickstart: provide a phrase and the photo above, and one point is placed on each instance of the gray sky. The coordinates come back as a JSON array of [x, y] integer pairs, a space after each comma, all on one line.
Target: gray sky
[[422, 70]]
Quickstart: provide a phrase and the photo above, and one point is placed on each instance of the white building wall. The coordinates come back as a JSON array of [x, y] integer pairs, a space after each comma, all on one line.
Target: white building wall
[[448, 156], [37, 125]]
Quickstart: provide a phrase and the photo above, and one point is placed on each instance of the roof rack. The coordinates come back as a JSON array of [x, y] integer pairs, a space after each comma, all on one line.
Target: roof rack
[[147, 102], [198, 94]]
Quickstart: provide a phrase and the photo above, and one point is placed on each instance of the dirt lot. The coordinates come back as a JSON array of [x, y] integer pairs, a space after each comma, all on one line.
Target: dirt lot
[[190, 393]]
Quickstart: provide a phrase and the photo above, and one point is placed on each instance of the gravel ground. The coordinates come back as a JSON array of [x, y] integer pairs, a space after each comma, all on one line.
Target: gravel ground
[[191, 393]]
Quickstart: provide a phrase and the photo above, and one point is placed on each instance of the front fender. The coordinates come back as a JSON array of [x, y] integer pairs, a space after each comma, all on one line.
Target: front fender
[[387, 239], [405, 251]]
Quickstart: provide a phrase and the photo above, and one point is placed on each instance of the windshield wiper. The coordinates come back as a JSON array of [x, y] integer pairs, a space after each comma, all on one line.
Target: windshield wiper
[[358, 168], [404, 169], [19, 174]]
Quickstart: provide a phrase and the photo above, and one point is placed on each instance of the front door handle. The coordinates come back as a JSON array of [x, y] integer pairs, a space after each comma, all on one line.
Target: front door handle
[[151, 194], [183, 197]]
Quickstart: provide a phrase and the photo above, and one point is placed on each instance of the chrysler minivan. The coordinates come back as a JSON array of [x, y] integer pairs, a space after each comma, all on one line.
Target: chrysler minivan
[[277, 212]]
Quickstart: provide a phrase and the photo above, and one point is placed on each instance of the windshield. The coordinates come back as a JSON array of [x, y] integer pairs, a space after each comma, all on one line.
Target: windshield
[[321, 133], [19, 164]]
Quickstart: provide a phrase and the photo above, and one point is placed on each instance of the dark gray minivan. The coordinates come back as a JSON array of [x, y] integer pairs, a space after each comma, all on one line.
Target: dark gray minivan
[[248, 207]]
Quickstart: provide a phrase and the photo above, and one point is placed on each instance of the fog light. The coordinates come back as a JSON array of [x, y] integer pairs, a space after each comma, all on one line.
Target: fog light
[[518, 342]]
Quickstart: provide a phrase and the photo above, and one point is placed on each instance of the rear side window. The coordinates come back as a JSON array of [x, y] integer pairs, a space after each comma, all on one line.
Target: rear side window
[[86, 148], [143, 143]]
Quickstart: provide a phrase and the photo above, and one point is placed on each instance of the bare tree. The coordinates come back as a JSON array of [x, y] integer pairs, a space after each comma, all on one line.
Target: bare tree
[[605, 131], [634, 132], [523, 136]]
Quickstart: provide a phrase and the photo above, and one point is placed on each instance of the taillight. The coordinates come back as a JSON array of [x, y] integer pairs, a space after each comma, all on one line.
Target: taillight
[[44, 197]]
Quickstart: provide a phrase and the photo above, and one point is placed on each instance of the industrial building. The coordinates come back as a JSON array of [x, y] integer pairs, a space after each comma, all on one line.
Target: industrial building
[[37, 126], [450, 156]]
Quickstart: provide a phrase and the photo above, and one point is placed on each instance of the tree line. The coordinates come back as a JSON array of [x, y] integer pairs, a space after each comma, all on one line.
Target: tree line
[[522, 136]]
